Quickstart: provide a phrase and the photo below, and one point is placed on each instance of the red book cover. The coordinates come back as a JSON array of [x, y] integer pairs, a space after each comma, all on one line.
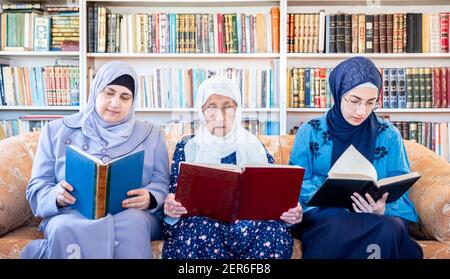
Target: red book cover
[[437, 88], [448, 87], [219, 32], [228, 192]]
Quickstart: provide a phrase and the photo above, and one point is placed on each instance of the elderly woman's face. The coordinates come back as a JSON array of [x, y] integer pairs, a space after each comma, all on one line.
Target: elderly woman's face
[[219, 112], [357, 104], [114, 103]]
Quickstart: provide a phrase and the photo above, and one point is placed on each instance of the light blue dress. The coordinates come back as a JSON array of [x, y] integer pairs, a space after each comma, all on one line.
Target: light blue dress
[[67, 233]]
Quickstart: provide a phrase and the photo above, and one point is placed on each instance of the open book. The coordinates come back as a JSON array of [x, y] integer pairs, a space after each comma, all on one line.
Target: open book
[[229, 192], [98, 187], [351, 173]]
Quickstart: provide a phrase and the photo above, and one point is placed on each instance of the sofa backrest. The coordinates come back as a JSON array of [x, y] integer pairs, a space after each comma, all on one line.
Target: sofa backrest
[[430, 195]]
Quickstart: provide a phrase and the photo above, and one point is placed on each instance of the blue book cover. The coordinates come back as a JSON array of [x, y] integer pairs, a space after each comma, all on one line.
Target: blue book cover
[[100, 188], [307, 88], [393, 99], [401, 88]]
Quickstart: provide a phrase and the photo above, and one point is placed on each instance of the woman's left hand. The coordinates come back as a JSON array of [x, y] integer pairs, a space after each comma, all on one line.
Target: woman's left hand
[[140, 201], [293, 215], [362, 205]]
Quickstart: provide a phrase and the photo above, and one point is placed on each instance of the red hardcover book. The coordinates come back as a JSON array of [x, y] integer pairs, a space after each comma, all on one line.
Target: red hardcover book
[[228, 192], [448, 87]]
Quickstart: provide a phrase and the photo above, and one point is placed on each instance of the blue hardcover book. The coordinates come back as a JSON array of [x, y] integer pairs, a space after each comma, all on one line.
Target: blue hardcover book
[[386, 87], [307, 88], [100, 188], [401, 88], [393, 99]]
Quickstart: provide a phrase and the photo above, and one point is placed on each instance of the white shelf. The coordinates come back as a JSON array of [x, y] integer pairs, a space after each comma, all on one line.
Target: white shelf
[[36, 108], [184, 55], [40, 53], [368, 55], [190, 3]]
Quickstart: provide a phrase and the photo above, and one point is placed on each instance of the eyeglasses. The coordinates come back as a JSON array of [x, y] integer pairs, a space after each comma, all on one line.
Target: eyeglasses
[[355, 103], [212, 111]]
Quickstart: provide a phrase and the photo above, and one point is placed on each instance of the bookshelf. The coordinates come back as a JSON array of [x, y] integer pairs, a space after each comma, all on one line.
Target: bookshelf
[[287, 117], [29, 59]]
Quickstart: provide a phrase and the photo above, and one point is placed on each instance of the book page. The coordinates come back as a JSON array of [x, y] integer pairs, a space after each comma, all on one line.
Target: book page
[[353, 163], [87, 155], [390, 180], [225, 167]]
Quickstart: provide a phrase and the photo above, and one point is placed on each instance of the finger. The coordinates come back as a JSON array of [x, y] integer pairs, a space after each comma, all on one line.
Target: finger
[[133, 200], [364, 202], [174, 203], [385, 196], [134, 205], [356, 208], [135, 192], [69, 198], [66, 186], [371, 201], [358, 204]]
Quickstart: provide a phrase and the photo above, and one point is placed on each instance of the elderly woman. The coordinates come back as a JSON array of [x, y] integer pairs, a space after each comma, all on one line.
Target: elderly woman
[[373, 229], [221, 139], [106, 129]]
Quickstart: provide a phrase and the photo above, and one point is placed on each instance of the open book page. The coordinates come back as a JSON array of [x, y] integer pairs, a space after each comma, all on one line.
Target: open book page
[[390, 180], [87, 155], [352, 164], [225, 167]]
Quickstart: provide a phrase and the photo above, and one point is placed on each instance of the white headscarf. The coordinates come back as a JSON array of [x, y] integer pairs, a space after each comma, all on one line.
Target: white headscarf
[[93, 126], [207, 148]]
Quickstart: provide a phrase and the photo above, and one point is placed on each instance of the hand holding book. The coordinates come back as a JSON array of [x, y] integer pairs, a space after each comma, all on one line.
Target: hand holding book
[[369, 205]]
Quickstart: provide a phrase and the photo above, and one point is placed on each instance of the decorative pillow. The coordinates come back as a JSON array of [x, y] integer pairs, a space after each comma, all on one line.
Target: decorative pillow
[[15, 171], [431, 194]]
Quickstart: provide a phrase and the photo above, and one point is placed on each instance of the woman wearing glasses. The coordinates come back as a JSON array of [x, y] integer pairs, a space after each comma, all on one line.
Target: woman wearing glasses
[[372, 229], [221, 139]]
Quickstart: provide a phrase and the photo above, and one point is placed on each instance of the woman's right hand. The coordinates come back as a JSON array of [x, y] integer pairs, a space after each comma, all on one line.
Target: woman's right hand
[[64, 198], [172, 208]]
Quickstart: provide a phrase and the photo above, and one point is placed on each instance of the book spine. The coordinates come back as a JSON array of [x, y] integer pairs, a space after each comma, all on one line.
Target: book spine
[[101, 191]]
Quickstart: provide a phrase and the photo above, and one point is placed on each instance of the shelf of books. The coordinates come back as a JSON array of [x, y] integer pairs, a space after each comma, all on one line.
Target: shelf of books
[[407, 41], [39, 63], [175, 45]]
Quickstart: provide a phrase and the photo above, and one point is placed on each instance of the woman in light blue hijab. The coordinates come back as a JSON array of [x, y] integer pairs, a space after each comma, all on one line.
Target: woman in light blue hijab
[[107, 130]]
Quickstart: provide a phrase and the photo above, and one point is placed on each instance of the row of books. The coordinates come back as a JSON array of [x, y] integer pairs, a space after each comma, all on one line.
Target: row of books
[[434, 136], [177, 88], [402, 88], [368, 33], [39, 86], [182, 33], [31, 29], [25, 124]]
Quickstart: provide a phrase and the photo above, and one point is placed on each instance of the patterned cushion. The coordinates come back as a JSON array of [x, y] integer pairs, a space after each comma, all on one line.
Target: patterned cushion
[[16, 154], [431, 194]]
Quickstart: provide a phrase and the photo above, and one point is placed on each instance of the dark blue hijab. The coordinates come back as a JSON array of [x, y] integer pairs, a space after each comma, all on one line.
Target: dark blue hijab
[[346, 76]]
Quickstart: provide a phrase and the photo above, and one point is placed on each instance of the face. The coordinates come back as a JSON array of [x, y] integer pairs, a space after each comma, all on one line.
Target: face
[[114, 103], [219, 112], [357, 104]]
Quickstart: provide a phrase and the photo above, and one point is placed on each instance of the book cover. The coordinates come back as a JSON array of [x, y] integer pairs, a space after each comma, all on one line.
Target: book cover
[[100, 188], [229, 192], [352, 173]]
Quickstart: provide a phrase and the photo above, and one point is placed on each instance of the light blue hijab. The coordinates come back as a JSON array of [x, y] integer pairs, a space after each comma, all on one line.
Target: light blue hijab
[[92, 125]]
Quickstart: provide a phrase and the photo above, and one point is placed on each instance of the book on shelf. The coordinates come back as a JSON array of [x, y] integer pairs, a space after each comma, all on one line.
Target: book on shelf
[[228, 192], [353, 173], [99, 187]]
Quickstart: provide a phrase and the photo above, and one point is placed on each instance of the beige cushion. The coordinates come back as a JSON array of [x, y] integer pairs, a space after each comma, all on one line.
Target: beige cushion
[[15, 170], [431, 194]]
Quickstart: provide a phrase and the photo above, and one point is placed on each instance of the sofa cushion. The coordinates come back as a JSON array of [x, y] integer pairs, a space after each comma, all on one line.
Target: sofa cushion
[[15, 171], [431, 194]]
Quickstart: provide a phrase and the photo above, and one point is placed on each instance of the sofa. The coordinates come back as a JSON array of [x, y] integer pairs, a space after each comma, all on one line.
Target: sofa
[[431, 195]]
